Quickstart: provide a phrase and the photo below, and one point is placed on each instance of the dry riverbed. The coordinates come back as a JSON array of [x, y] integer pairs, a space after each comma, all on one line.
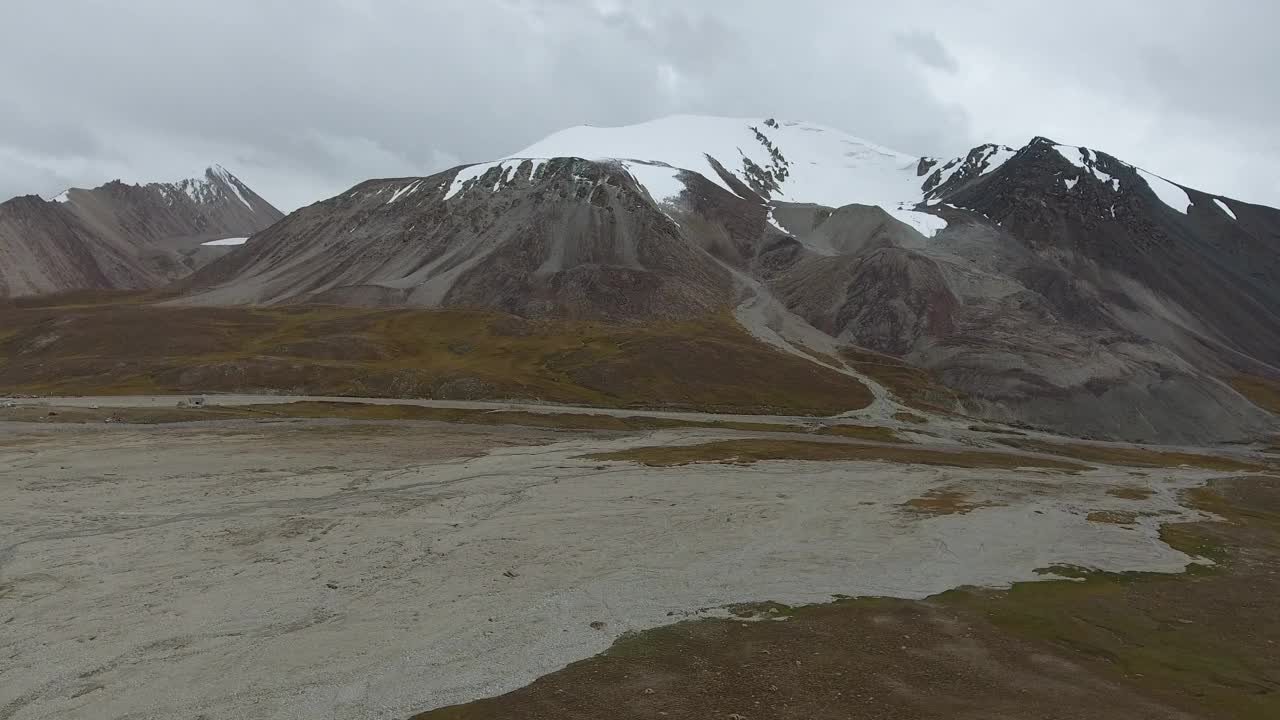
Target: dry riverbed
[[301, 568]]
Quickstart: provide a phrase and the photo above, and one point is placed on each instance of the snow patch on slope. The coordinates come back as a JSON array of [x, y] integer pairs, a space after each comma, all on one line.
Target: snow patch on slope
[[948, 170], [1072, 154], [230, 181], [980, 161], [225, 242], [1086, 160], [1169, 194], [662, 182], [509, 171], [1225, 209], [468, 174], [1001, 155], [1104, 177], [196, 190], [924, 223], [406, 190]]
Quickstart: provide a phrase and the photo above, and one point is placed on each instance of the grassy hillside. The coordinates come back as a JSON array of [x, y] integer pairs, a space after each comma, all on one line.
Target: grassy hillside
[[127, 345]]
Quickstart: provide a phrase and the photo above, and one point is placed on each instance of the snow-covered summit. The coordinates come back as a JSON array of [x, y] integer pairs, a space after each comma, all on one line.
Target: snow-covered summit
[[783, 161], [797, 162], [806, 162], [217, 184]]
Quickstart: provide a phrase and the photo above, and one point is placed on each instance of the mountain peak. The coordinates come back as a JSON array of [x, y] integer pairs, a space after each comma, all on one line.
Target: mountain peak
[[219, 172], [759, 159], [214, 174], [216, 185]]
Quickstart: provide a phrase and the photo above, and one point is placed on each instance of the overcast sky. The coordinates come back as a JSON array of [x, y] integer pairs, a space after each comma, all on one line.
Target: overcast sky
[[302, 100]]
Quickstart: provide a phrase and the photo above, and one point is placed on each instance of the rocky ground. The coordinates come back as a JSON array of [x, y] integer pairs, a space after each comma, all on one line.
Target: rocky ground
[[291, 567]]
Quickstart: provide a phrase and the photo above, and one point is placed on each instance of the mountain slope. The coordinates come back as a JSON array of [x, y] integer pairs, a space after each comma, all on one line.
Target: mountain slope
[[1171, 261], [1052, 286], [569, 238], [120, 236], [1089, 301]]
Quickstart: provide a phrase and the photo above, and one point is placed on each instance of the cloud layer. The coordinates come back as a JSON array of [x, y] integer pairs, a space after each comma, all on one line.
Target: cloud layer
[[303, 101]]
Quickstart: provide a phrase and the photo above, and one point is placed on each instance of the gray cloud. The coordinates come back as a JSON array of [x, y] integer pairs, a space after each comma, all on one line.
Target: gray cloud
[[928, 49], [303, 103]]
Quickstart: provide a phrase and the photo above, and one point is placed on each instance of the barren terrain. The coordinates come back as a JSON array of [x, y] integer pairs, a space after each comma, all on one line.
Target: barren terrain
[[293, 567]]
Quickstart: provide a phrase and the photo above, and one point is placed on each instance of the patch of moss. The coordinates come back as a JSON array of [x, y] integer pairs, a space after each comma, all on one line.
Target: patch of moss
[[1113, 517], [994, 430], [133, 347], [762, 611], [914, 386], [1263, 392], [945, 502], [751, 451], [863, 432], [1131, 493], [1135, 456], [377, 412]]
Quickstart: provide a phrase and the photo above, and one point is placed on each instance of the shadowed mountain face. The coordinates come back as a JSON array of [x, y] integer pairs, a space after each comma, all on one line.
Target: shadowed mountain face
[[122, 236], [1050, 285], [1103, 299], [1203, 272]]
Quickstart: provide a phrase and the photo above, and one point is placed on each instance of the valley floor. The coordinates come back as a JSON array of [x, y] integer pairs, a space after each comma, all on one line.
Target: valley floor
[[301, 567]]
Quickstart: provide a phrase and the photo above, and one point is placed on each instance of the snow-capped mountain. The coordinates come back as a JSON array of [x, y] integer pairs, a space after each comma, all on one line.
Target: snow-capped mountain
[[790, 162], [121, 236], [1050, 284]]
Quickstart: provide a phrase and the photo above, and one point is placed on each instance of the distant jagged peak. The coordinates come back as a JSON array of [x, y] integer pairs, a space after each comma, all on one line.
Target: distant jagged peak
[[215, 185]]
